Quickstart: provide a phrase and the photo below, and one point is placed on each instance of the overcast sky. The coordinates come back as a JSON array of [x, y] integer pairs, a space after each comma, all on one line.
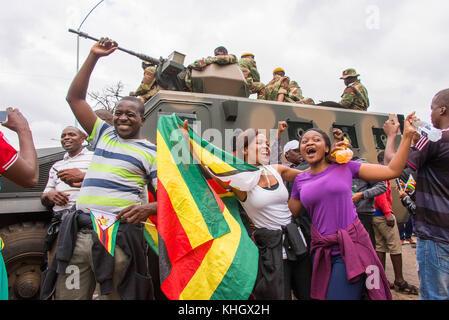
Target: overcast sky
[[397, 46]]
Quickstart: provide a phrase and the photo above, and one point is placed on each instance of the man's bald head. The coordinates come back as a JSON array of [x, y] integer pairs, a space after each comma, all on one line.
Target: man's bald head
[[439, 109], [442, 98]]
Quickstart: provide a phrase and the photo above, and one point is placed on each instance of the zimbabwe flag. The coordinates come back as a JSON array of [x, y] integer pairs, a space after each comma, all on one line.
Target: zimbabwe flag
[[106, 228], [204, 249], [150, 234]]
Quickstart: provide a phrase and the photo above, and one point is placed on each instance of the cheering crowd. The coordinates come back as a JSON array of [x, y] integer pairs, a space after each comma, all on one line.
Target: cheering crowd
[[322, 228]]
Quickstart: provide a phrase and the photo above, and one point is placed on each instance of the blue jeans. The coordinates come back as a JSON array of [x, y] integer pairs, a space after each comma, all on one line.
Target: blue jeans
[[339, 286], [433, 264]]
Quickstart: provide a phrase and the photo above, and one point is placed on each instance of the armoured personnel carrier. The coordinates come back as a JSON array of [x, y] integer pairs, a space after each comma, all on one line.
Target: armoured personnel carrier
[[220, 101]]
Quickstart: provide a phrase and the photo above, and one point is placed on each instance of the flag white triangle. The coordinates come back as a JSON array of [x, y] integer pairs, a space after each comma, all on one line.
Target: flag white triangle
[[105, 219]]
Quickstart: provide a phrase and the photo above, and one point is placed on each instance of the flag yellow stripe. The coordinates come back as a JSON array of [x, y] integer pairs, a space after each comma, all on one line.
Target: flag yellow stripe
[[181, 199], [209, 159], [153, 232], [215, 264]]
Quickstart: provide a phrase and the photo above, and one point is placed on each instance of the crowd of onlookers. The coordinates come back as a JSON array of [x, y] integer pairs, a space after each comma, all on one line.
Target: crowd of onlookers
[[323, 228]]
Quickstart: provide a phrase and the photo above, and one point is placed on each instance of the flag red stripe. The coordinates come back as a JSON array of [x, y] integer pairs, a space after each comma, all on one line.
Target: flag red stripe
[[100, 232], [183, 270], [106, 239], [216, 187], [171, 230]]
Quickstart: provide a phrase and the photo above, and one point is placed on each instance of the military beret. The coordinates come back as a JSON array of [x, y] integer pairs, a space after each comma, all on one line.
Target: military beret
[[247, 54], [278, 70]]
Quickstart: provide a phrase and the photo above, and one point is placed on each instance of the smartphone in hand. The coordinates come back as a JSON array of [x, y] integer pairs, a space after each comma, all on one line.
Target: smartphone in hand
[[3, 116]]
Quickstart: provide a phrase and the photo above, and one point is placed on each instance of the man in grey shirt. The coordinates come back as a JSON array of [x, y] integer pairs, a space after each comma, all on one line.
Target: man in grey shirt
[[363, 194]]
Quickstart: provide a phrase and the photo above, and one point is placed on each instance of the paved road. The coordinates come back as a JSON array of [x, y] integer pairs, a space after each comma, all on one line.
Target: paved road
[[409, 269]]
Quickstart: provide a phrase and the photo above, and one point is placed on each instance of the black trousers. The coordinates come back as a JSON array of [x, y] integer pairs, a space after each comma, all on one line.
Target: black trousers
[[367, 221], [297, 277]]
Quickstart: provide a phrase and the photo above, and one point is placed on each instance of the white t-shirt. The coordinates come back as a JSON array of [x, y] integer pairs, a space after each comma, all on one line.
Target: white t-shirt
[[268, 208], [81, 161]]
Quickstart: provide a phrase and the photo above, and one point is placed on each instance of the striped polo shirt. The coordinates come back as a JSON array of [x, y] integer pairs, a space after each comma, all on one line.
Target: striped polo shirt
[[431, 160], [119, 172], [81, 161]]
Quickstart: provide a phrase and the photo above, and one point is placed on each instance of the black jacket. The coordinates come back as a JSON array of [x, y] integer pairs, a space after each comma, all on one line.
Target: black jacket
[[135, 281]]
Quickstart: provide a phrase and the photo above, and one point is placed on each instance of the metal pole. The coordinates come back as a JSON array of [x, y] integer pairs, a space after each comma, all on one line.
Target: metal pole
[[78, 44]]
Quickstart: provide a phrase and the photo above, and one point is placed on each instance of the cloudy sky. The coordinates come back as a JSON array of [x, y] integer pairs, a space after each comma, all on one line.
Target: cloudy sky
[[397, 46]]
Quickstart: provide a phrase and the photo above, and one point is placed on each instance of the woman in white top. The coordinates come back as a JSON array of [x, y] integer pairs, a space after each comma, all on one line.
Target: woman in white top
[[266, 206]]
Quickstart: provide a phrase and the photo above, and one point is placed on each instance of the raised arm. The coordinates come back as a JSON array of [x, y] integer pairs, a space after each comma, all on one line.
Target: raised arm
[[25, 170], [76, 97], [391, 130], [287, 174], [373, 172]]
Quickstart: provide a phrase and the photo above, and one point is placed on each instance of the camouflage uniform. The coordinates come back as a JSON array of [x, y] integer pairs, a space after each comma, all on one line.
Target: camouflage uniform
[[147, 88], [308, 101], [251, 74], [294, 93], [355, 95], [278, 85], [200, 64]]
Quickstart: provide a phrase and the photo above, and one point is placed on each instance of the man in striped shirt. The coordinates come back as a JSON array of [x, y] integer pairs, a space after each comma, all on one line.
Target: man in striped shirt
[[116, 182], [431, 161]]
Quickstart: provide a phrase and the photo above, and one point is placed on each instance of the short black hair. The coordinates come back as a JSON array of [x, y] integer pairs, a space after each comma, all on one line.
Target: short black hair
[[140, 105], [221, 48], [80, 132]]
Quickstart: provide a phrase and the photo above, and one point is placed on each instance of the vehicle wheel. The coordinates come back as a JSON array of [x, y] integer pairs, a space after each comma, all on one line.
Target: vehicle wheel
[[23, 253]]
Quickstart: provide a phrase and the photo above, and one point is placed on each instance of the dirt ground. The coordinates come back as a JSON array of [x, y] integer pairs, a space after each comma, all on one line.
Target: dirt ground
[[409, 270]]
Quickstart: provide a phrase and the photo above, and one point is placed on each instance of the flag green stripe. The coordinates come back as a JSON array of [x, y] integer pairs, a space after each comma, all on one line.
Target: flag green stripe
[[238, 164], [200, 191], [150, 241], [113, 236], [239, 280]]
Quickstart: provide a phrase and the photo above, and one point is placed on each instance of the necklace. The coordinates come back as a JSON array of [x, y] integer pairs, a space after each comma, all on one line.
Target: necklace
[[264, 170]]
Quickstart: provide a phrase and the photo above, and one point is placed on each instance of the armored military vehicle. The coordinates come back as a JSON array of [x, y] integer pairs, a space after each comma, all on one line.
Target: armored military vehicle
[[220, 100]]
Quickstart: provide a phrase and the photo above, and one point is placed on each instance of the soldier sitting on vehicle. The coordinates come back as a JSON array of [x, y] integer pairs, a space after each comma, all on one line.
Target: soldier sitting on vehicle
[[295, 94], [64, 182], [355, 95], [149, 86], [249, 68], [220, 57], [277, 88]]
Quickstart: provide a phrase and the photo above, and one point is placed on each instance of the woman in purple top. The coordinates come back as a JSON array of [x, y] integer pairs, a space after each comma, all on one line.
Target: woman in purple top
[[343, 254]]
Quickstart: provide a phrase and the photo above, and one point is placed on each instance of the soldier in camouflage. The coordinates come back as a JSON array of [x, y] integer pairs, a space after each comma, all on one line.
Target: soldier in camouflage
[[277, 88], [295, 94], [355, 96], [249, 69], [221, 57], [148, 87]]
